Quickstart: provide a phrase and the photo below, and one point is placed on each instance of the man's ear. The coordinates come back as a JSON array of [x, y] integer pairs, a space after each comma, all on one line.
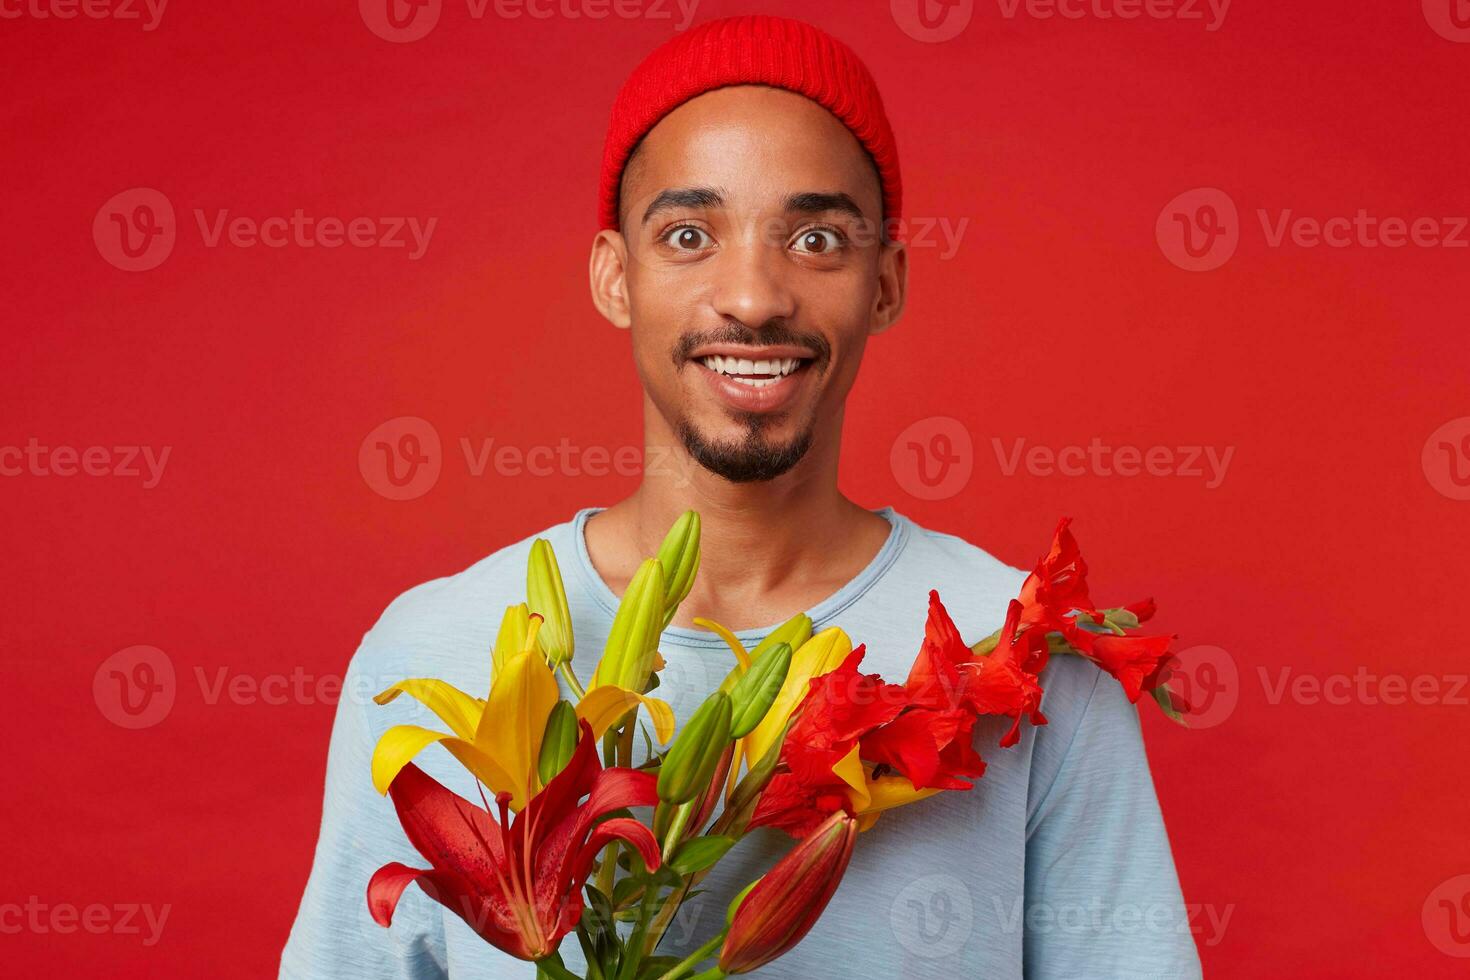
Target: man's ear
[[608, 271], [893, 287]]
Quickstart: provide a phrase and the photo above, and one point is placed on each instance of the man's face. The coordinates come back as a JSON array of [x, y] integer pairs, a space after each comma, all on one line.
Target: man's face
[[753, 272]]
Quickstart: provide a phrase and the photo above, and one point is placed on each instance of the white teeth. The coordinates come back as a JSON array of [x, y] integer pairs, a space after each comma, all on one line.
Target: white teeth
[[776, 368]]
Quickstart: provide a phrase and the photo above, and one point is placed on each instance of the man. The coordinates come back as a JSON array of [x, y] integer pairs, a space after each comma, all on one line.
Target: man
[[750, 204]]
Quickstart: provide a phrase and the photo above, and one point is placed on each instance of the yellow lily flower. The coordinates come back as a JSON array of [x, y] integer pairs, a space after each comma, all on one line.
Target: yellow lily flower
[[499, 739]]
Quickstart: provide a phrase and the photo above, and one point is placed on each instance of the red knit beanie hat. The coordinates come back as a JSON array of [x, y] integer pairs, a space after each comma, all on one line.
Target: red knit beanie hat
[[751, 50]]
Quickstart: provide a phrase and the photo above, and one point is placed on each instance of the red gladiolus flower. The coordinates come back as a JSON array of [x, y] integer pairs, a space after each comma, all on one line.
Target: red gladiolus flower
[[517, 884], [1006, 681], [1142, 610], [784, 905], [1054, 598], [932, 749], [947, 673], [840, 707], [1140, 663], [1058, 585]]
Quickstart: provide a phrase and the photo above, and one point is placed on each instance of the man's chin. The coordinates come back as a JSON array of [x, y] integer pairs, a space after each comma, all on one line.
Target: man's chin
[[744, 460]]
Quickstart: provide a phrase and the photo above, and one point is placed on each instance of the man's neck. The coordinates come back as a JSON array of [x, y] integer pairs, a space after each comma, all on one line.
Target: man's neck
[[769, 549]]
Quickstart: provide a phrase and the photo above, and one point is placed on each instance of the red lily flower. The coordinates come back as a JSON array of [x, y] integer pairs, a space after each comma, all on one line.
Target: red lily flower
[[517, 884], [784, 905]]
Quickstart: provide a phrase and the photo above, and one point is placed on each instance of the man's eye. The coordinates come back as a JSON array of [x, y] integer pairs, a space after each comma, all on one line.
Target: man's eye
[[819, 241], [688, 238]]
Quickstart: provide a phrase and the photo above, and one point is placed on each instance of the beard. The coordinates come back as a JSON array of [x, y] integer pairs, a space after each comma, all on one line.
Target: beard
[[747, 460]]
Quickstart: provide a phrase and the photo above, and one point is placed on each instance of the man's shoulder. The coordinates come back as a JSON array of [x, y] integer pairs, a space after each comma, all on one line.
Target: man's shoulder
[[973, 583]]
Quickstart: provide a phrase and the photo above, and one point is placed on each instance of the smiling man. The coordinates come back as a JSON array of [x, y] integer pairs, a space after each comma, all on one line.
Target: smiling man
[[750, 245]]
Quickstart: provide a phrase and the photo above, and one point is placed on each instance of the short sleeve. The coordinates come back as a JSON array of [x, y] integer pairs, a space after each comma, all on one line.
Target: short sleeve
[[1102, 895]]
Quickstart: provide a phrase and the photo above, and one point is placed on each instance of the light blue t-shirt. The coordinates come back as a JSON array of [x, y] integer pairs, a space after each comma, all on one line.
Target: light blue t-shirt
[[1056, 865]]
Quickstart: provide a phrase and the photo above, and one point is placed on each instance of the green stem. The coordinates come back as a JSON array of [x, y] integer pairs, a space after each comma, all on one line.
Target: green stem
[[589, 953], [713, 973], [681, 820], [633, 948], [567, 674], [695, 958], [554, 968], [607, 870]]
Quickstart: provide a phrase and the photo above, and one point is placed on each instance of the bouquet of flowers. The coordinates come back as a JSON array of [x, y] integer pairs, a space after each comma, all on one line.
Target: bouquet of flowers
[[796, 738]]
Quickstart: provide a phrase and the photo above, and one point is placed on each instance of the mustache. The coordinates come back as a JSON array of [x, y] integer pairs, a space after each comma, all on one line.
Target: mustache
[[772, 332]]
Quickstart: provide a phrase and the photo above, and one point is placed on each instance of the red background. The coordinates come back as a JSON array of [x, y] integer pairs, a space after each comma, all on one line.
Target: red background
[[1322, 828]]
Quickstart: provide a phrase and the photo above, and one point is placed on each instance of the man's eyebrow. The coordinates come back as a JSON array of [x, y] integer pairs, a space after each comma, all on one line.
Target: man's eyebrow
[[815, 202], [684, 197], [805, 202]]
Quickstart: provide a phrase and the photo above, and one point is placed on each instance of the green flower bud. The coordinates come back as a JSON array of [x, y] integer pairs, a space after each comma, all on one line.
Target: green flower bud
[[559, 742], [691, 762], [755, 692], [679, 555], [794, 632], [545, 595], [627, 660]]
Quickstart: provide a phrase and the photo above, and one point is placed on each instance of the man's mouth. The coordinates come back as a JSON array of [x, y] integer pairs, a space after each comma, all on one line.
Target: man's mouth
[[754, 379], [755, 373]]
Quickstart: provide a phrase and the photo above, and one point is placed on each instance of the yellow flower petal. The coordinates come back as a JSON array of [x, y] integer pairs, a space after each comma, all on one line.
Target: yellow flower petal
[[736, 647], [511, 639], [401, 743], [511, 729], [455, 708], [604, 706], [887, 792], [849, 769]]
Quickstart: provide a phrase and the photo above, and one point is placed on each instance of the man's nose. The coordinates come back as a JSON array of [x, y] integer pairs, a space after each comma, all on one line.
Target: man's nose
[[753, 283]]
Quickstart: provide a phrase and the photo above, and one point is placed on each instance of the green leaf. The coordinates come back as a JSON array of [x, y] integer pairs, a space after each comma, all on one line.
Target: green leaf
[[699, 854], [599, 910], [1166, 701], [625, 890], [657, 966]]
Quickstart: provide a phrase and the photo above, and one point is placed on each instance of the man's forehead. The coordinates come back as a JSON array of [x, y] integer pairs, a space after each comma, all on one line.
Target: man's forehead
[[752, 130]]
